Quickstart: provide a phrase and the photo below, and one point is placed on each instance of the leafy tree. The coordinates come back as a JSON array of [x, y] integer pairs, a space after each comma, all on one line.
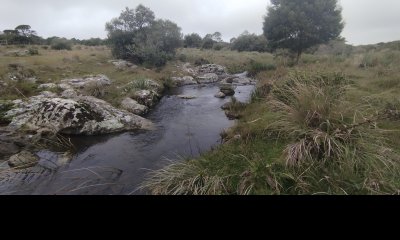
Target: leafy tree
[[137, 36], [249, 42], [300, 24], [24, 34], [210, 39], [192, 41]]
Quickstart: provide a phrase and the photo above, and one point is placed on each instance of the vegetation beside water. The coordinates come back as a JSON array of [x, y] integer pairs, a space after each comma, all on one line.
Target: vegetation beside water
[[326, 126]]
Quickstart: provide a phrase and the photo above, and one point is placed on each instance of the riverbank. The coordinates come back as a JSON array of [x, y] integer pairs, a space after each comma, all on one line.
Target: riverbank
[[326, 126], [79, 105]]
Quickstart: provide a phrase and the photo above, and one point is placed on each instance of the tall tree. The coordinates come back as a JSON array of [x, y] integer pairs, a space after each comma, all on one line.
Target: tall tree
[[25, 34], [301, 24]]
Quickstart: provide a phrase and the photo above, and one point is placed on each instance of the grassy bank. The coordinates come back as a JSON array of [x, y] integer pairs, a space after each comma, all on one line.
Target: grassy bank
[[327, 126]]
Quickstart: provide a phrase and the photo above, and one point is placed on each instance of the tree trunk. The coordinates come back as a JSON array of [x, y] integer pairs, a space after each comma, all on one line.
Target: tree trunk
[[299, 52]]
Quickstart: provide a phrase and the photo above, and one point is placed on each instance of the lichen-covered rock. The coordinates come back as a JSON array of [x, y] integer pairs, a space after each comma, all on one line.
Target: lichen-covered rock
[[122, 64], [98, 80], [134, 107], [69, 93], [183, 81], [64, 86], [207, 78], [212, 68], [242, 81], [47, 86], [48, 94], [146, 97], [83, 115], [24, 159]]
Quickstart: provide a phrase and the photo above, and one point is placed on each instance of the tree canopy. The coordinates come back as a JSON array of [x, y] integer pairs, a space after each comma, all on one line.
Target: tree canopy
[[192, 41], [249, 42], [136, 35], [301, 24]]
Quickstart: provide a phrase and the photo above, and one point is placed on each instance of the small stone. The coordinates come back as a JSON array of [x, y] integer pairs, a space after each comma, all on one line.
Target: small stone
[[220, 95], [23, 160], [186, 97]]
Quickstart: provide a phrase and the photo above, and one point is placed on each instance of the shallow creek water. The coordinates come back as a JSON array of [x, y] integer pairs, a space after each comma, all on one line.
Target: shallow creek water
[[117, 164]]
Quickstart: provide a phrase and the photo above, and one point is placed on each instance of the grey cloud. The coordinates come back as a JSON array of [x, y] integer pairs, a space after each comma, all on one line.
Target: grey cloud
[[367, 21]]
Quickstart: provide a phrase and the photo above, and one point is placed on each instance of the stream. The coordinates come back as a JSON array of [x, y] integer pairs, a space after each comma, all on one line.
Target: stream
[[117, 164]]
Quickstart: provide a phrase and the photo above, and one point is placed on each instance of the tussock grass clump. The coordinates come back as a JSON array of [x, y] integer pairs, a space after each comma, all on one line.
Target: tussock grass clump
[[185, 178], [327, 135]]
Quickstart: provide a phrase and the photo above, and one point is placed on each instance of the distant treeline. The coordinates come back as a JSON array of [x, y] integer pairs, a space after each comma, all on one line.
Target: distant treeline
[[24, 35]]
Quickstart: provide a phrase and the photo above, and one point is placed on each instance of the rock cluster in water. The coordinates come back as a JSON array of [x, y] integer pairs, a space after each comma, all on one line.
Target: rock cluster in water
[[212, 73]]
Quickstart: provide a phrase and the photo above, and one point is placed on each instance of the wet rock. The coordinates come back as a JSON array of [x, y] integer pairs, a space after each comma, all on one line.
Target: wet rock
[[146, 97], [64, 159], [134, 107], [207, 78], [226, 106], [83, 115], [23, 160], [227, 89], [98, 80], [220, 95], [187, 97], [183, 81]]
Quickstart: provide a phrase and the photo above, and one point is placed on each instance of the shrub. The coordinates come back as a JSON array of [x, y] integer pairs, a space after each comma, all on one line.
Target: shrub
[[61, 44], [140, 38], [33, 51]]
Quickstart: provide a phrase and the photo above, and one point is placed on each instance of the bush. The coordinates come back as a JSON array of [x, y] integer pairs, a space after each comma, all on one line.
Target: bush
[[138, 37], [33, 51], [61, 44]]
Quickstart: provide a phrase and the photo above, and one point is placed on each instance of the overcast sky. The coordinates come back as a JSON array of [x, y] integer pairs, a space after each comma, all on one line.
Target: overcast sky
[[367, 21]]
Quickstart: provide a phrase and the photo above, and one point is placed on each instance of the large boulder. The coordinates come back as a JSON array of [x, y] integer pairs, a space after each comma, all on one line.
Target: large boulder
[[83, 115], [134, 107], [24, 159], [148, 98], [207, 78]]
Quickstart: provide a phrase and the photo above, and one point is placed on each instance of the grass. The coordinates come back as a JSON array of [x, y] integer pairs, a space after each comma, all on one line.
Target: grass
[[329, 125], [326, 126]]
